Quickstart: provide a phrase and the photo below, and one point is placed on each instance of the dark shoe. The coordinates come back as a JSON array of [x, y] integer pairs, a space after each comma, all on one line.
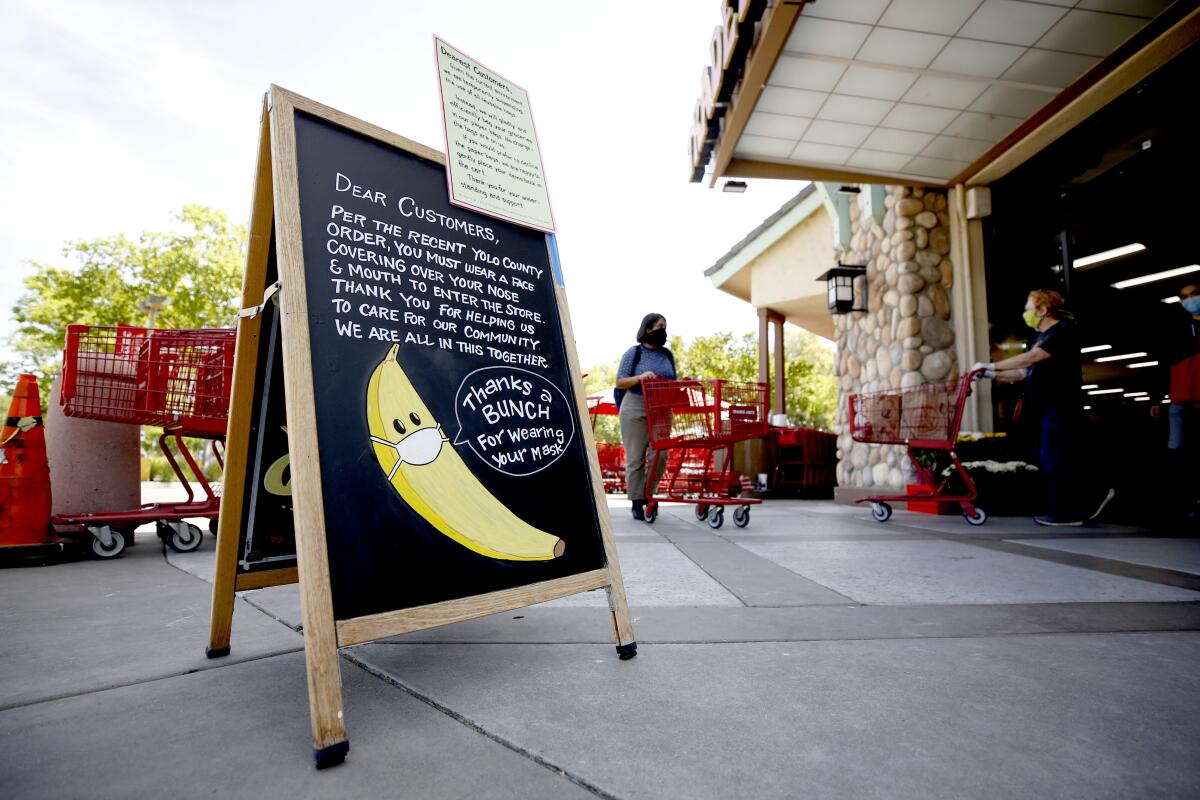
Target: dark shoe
[[1057, 522], [1100, 508], [639, 510]]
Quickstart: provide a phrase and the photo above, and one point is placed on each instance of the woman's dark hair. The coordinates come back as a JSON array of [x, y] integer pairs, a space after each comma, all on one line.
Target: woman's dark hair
[[647, 321]]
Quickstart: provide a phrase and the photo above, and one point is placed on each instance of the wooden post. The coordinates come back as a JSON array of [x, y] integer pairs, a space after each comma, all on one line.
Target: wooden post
[[780, 404], [330, 744], [617, 603], [238, 435], [764, 344]]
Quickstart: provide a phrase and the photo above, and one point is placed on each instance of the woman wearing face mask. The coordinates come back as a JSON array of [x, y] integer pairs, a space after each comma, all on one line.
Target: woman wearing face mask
[[1052, 371], [647, 360]]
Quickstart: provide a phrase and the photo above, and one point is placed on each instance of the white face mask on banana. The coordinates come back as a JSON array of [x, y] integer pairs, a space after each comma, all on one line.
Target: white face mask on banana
[[417, 448]]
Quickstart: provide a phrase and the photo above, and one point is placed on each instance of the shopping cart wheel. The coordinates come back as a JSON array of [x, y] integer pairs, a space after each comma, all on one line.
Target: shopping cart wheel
[[213, 525], [881, 512], [716, 518], [976, 516], [651, 513], [114, 548], [741, 516], [701, 511], [184, 537]]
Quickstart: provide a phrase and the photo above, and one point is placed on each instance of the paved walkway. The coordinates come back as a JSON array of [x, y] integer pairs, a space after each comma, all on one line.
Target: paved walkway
[[815, 653]]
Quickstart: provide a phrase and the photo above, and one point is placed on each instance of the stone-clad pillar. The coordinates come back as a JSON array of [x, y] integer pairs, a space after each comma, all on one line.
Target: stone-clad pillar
[[905, 338]]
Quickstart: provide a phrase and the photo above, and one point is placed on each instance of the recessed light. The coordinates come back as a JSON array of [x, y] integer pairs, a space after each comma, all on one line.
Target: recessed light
[[1090, 386], [1121, 357], [1172, 299], [1143, 364], [1108, 255], [1157, 276], [1087, 408], [1140, 399], [1135, 394], [1106, 391], [734, 186], [1095, 348]]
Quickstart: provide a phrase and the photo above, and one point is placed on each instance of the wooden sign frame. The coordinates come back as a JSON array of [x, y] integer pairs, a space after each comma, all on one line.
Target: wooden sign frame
[[276, 212]]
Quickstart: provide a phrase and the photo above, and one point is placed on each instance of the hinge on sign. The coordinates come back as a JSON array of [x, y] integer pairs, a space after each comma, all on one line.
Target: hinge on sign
[[254, 311]]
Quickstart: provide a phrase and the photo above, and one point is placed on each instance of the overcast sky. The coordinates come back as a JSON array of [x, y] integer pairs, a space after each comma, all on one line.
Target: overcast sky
[[118, 113]]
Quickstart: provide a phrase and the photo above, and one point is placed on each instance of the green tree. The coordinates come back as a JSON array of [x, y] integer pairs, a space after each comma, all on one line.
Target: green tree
[[198, 268], [810, 386]]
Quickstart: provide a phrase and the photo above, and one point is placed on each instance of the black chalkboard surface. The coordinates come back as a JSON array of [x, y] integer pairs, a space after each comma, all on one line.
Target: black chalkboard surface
[[460, 311], [267, 537]]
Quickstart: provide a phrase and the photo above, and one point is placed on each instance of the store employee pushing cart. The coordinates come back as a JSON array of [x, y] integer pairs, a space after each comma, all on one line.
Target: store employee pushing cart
[[1051, 369]]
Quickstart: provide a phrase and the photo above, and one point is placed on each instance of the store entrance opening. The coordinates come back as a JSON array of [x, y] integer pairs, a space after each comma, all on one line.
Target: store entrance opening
[[1108, 216]]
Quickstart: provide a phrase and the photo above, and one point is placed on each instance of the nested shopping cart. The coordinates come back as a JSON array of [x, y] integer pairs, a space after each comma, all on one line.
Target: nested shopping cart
[[611, 455], [694, 425], [925, 419], [178, 380]]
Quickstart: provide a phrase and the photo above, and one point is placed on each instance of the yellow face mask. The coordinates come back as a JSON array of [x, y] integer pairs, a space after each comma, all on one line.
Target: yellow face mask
[[1032, 319]]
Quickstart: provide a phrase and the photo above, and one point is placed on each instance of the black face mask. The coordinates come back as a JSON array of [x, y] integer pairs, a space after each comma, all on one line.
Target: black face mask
[[657, 338]]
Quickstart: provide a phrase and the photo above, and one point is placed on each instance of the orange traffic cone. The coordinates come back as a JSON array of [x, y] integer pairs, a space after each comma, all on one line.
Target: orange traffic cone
[[24, 471]]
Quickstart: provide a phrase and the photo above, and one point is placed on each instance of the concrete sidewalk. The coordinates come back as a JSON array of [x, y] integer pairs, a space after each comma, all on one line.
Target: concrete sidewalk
[[814, 653]]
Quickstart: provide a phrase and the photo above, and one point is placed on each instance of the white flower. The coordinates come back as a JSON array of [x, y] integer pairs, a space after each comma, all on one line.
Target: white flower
[[994, 467]]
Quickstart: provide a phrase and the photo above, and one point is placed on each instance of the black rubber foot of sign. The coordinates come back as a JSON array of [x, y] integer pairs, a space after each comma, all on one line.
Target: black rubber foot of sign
[[627, 651], [216, 652], [332, 755]]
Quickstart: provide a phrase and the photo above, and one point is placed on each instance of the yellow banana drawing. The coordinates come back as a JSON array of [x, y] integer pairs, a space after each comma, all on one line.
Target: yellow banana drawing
[[430, 476]]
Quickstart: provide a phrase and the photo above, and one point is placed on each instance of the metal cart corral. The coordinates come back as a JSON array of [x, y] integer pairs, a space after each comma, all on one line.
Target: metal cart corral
[[178, 380]]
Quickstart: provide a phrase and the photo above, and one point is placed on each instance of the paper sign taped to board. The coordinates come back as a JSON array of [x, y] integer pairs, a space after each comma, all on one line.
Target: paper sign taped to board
[[494, 164]]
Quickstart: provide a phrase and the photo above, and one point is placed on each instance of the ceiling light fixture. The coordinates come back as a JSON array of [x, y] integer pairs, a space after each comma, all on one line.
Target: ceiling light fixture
[[1140, 399], [1090, 386], [1172, 299], [1121, 357], [1157, 276], [1135, 394], [734, 186], [1106, 391], [1095, 348], [1142, 364], [1108, 255]]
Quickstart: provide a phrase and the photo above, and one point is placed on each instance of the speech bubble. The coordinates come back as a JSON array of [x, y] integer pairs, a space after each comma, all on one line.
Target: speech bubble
[[516, 421]]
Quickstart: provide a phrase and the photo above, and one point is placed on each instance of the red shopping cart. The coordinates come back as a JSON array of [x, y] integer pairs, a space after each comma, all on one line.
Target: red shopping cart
[[610, 454], [694, 424], [926, 419], [178, 380]]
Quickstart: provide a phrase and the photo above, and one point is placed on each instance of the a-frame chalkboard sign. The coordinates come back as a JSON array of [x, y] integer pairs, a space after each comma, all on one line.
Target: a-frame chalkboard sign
[[438, 458]]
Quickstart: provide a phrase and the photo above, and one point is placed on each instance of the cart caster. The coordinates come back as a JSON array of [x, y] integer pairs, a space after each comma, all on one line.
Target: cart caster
[[182, 537], [651, 513], [107, 543], [741, 516], [716, 518], [976, 516], [213, 525], [701, 511], [881, 512]]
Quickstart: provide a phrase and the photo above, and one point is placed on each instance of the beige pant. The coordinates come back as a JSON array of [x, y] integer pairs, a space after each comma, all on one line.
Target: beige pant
[[635, 436]]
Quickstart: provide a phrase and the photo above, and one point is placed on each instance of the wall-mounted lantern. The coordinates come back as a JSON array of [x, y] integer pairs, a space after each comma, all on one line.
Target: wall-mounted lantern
[[839, 283]]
